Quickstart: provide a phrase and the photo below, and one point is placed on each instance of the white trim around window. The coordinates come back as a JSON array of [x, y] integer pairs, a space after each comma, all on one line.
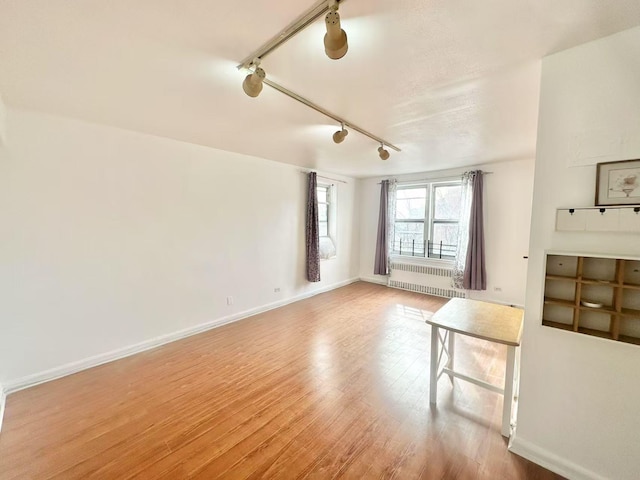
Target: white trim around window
[[327, 213], [427, 217]]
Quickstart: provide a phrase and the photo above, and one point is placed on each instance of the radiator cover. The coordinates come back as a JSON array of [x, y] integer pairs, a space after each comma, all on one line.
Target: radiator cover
[[423, 279]]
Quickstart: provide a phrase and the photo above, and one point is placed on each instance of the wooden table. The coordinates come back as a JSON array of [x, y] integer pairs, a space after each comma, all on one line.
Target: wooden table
[[487, 321]]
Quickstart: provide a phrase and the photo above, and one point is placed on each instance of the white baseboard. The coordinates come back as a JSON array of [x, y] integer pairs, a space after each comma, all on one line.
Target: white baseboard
[[74, 367], [551, 461], [380, 280], [3, 401]]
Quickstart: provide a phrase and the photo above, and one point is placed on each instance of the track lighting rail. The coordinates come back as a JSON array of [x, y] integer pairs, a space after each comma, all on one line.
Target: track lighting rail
[[290, 31], [327, 113], [335, 46]]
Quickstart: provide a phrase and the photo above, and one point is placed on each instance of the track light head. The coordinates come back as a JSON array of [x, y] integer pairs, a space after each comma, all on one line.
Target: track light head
[[335, 40], [338, 137], [384, 154], [252, 84]]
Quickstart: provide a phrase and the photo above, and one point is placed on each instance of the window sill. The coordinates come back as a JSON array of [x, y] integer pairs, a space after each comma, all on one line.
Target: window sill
[[435, 262]]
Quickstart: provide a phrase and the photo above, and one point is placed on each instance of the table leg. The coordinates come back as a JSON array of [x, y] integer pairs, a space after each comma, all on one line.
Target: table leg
[[508, 391], [433, 382], [451, 350]]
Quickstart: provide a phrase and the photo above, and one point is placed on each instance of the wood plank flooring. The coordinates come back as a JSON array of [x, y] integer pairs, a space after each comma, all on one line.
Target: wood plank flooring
[[335, 386]]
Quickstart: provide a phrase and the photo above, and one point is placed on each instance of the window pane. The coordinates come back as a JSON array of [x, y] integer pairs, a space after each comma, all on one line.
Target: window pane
[[324, 229], [446, 233], [322, 194], [322, 212], [409, 238], [447, 202], [409, 228], [407, 209], [408, 231], [411, 193], [411, 203]]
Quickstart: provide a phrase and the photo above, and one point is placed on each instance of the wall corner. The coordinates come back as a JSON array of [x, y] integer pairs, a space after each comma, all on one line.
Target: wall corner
[[550, 461]]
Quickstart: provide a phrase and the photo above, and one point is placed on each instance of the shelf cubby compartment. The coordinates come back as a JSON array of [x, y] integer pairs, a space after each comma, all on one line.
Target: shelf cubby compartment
[[595, 322], [558, 313], [630, 328], [632, 274], [631, 303], [563, 266], [613, 283], [599, 269], [559, 290], [598, 293]]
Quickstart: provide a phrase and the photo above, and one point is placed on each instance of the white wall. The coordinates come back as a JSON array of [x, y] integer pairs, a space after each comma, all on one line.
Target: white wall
[[507, 215], [3, 123], [579, 409], [111, 238]]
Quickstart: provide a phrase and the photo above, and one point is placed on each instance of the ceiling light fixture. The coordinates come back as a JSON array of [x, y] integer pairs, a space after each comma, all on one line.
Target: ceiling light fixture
[[327, 113], [335, 40], [320, 8], [338, 137], [335, 47], [384, 154], [252, 84]]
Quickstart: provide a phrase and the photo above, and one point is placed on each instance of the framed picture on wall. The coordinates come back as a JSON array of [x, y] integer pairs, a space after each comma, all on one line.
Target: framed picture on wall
[[618, 183]]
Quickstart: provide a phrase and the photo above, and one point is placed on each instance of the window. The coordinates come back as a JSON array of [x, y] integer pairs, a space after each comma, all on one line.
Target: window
[[326, 221], [426, 223], [323, 209]]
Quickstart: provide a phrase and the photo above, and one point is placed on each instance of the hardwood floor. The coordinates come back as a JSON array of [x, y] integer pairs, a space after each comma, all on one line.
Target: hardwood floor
[[335, 386]]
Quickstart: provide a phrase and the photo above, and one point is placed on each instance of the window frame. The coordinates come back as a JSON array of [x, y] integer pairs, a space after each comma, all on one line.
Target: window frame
[[412, 220], [429, 219], [328, 203], [331, 203]]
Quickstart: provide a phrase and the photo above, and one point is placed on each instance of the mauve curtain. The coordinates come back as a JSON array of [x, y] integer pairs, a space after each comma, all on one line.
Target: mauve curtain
[[312, 231], [475, 274], [381, 266]]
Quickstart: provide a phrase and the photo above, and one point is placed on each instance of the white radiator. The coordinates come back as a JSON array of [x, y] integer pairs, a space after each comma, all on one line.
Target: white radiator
[[424, 279]]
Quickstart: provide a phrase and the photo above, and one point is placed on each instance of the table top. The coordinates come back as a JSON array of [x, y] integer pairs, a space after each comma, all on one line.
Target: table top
[[488, 321]]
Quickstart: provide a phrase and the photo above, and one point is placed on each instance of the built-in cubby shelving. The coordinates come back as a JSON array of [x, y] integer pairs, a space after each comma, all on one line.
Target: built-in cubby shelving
[[593, 295]]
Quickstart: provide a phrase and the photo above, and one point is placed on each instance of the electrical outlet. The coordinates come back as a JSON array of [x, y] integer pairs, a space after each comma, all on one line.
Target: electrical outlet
[[229, 300], [276, 290]]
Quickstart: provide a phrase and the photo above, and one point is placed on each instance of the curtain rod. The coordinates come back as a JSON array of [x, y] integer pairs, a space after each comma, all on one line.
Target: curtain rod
[[436, 178], [321, 176]]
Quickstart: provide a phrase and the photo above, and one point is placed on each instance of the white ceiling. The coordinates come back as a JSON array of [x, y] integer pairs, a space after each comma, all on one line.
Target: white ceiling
[[451, 82]]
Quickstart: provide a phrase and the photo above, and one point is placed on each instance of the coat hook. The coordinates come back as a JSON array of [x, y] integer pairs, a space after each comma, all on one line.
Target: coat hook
[[602, 210], [572, 211], [636, 209]]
